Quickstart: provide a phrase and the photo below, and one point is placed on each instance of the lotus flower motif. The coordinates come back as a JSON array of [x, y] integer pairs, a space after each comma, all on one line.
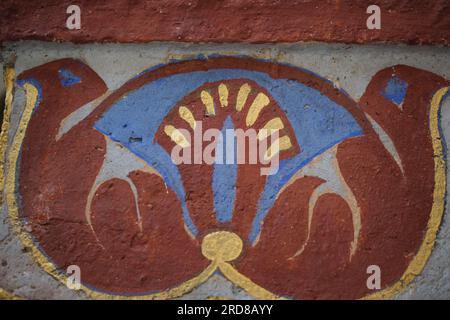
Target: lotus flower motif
[[357, 184]]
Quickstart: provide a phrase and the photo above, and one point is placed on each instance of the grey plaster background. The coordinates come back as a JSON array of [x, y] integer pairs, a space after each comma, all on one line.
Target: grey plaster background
[[349, 66]]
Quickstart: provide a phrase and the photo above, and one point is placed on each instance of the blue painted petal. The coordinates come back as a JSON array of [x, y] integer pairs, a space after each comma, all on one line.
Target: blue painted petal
[[224, 176], [67, 78], [395, 90]]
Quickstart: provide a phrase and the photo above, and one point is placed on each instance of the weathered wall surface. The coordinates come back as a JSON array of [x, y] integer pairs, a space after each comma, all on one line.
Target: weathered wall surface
[[254, 21], [382, 168], [118, 170]]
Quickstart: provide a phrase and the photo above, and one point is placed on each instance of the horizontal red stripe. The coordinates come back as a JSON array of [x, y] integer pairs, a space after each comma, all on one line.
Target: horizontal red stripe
[[414, 21]]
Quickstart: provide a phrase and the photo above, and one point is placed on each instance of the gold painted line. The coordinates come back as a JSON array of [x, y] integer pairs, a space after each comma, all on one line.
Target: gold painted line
[[245, 283], [208, 101], [187, 116], [223, 246], [178, 291], [10, 187], [223, 95], [9, 76], [5, 295], [219, 298], [176, 136], [270, 127], [242, 96], [258, 104], [278, 145], [418, 263]]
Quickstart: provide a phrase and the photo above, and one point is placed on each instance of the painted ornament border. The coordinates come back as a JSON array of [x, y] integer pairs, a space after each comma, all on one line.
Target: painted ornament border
[[8, 171]]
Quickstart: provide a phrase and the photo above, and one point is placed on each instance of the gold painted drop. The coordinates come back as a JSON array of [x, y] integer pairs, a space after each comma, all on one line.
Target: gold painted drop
[[221, 246]]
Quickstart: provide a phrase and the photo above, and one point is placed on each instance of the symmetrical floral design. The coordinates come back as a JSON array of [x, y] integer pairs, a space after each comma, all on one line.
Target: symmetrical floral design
[[358, 184]]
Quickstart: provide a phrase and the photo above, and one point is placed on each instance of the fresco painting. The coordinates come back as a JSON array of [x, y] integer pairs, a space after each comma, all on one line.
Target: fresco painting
[[91, 181]]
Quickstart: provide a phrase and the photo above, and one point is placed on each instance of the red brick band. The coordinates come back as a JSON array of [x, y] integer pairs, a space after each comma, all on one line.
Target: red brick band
[[256, 21]]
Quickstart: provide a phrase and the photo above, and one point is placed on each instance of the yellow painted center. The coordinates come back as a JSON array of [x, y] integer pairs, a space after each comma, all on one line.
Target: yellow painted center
[[221, 246]]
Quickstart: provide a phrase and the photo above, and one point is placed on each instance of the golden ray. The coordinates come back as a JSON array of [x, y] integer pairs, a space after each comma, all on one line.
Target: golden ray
[[208, 101], [176, 136], [187, 116], [223, 95], [258, 104], [270, 127], [278, 145], [242, 96]]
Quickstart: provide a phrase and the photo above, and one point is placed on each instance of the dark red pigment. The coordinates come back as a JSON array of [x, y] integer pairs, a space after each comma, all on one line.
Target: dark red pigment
[[414, 21]]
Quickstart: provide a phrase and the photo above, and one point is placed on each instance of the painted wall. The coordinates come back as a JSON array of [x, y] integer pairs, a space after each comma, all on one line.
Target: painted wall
[[361, 179], [352, 180], [254, 21]]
